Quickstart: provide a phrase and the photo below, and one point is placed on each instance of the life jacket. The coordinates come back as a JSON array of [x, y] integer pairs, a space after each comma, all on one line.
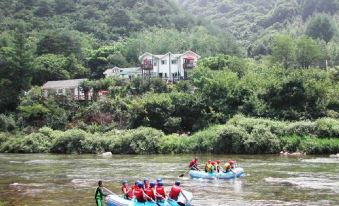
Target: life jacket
[[98, 193], [127, 192], [161, 191], [150, 193], [192, 162], [174, 193], [227, 167], [135, 187], [139, 195]]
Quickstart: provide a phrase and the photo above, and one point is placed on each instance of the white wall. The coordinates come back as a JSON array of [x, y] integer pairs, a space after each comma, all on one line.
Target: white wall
[[164, 68]]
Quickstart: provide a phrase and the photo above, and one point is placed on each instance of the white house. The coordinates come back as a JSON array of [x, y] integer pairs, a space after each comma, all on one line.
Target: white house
[[64, 88], [169, 66], [124, 72]]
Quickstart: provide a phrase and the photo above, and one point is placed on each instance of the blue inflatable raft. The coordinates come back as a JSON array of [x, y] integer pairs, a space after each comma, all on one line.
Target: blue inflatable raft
[[222, 175], [115, 200]]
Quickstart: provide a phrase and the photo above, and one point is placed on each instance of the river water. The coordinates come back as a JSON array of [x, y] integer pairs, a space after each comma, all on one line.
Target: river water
[[53, 180]]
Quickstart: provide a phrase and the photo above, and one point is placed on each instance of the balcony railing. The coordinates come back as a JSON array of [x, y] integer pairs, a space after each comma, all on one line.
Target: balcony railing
[[147, 66]]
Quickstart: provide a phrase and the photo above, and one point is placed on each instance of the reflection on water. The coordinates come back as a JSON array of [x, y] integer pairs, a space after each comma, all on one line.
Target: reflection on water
[[40, 179]]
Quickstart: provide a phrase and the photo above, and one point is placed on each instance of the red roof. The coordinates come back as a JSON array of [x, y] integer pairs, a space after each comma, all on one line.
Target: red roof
[[189, 58]]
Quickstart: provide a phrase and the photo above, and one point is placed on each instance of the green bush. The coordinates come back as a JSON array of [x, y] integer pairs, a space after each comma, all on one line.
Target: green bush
[[301, 128], [7, 123], [174, 144], [138, 141], [327, 127], [247, 123], [70, 141], [312, 145], [262, 141]]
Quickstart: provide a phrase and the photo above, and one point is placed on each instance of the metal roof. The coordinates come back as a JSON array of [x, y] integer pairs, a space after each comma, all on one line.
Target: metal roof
[[71, 83]]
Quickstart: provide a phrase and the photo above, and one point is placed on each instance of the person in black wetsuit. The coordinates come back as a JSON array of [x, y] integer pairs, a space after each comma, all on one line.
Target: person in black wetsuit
[[99, 194]]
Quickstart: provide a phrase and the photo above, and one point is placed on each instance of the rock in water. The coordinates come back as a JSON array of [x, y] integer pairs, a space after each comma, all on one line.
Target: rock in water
[[334, 156], [106, 154]]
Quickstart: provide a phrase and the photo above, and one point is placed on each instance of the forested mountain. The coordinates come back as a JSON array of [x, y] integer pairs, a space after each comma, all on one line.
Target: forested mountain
[[43, 40], [253, 22]]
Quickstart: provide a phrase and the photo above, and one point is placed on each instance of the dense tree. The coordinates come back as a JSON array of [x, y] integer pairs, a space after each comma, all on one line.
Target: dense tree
[[308, 52], [283, 50], [321, 27], [58, 43], [15, 69], [309, 7]]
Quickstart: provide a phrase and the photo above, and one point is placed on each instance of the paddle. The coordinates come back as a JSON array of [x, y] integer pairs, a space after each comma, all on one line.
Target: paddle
[[148, 197], [194, 166], [112, 193]]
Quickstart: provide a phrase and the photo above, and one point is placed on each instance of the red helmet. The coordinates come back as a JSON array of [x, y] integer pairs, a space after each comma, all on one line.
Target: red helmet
[[209, 161], [213, 163], [218, 161], [230, 161]]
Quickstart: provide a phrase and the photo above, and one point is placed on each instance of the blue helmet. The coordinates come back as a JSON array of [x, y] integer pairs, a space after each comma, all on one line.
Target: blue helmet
[[152, 184], [137, 182], [140, 185], [159, 180], [124, 181], [161, 184], [146, 179], [177, 183]]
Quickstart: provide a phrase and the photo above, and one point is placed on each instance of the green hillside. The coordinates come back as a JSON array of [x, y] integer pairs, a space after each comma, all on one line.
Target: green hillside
[[253, 22]]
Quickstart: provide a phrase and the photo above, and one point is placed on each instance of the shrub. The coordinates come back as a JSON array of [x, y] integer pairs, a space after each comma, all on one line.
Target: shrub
[[205, 140], [174, 144], [7, 123], [301, 128], [276, 127], [70, 141], [137, 141], [327, 127], [312, 145], [261, 140]]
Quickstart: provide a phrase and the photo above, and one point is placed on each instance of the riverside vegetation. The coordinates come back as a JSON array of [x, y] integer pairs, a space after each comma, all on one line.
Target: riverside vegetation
[[254, 90]]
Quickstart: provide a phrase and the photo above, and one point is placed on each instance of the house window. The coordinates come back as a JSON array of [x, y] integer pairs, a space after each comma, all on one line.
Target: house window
[[60, 91], [174, 61], [163, 62]]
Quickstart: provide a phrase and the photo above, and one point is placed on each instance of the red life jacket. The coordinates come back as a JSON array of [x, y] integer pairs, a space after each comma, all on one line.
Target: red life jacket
[[174, 193], [129, 192], [138, 193], [161, 191], [192, 162], [150, 193]]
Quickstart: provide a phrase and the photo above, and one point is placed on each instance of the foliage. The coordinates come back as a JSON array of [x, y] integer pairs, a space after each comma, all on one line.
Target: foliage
[[283, 50], [321, 27], [7, 123], [15, 68], [239, 135]]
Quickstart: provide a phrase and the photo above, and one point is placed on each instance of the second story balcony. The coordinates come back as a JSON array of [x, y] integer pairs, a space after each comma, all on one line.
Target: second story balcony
[[188, 65], [147, 66]]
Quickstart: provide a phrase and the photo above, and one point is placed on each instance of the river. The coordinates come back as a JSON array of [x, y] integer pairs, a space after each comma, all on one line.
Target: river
[[53, 180]]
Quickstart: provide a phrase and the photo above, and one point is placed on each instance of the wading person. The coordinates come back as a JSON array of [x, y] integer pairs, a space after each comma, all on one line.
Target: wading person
[[99, 194]]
